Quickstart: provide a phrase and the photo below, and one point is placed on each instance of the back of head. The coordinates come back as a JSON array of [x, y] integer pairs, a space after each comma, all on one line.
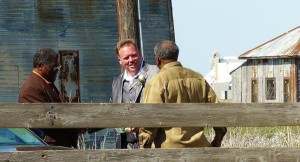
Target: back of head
[[44, 55], [124, 42], [166, 50]]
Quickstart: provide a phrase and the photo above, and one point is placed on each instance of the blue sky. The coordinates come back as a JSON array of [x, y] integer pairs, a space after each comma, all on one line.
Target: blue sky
[[231, 27]]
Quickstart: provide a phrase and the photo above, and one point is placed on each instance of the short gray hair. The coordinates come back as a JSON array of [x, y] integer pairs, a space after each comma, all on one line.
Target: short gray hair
[[166, 50], [45, 55]]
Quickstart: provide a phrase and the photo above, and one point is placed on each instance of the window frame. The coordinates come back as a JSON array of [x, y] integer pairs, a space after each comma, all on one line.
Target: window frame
[[285, 89], [254, 96], [270, 89]]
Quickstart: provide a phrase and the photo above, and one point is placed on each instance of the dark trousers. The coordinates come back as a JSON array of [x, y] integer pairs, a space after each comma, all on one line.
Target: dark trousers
[[128, 140]]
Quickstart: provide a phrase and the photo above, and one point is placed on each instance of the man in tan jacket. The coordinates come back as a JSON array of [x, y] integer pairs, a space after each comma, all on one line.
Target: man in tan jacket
[[176, 84]]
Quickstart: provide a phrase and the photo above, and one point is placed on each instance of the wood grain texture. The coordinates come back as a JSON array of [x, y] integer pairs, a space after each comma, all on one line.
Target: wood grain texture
[[106, 115], [127, 19], [185, 155]]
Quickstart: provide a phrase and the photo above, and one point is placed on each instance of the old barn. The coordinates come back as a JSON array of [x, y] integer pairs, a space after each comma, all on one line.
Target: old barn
[[271, 73]]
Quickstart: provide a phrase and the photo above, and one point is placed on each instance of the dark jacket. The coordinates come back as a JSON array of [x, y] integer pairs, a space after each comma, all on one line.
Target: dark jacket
[[36, 90]]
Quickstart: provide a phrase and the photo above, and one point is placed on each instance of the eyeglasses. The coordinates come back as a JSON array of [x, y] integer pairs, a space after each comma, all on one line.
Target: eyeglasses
[[56, 68]]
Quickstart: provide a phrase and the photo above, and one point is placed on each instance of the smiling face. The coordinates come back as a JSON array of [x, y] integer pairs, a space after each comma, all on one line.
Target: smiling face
[[130, 58]]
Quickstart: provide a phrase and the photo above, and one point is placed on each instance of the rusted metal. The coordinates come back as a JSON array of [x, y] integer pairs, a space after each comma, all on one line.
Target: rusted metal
[[89, 26], [69, 76], [284, 46]]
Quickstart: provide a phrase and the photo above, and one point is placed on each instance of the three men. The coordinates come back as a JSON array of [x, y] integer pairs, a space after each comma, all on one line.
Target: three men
[[173, 84]]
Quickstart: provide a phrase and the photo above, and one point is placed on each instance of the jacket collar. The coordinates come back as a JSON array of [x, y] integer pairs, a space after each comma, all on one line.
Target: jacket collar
[[143, 71], [171, 64], [41, 77]]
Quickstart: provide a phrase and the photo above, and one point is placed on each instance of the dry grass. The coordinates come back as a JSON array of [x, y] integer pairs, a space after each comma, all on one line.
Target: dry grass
[[260, 137]]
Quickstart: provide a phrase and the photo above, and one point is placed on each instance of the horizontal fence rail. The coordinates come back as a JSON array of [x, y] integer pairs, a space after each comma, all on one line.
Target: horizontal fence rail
[[183, 155], [107, 115]]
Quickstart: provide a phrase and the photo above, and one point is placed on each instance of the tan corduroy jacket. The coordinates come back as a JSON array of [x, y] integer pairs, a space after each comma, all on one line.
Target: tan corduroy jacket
[[176, 84]]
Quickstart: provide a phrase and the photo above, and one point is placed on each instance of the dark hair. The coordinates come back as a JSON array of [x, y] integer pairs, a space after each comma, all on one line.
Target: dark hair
[[44, 55], [125, 42], [167, 50]]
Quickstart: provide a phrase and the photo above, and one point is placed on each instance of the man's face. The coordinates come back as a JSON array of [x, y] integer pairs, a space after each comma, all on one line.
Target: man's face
[[130, 58], [49, 71]]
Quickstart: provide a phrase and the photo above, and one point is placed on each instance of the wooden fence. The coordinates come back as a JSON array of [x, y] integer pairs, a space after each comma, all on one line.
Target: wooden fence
[[104, 115]]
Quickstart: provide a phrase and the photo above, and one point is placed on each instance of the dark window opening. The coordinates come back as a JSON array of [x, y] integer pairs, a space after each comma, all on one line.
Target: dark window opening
[[286, 90], [286, 60], [270, 89], [254, 91]]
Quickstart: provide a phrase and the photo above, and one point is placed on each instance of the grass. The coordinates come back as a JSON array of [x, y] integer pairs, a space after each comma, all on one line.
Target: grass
[[239, 137]]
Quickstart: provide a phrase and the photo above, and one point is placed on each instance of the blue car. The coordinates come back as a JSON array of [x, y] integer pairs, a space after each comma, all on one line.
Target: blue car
[[22, 139]]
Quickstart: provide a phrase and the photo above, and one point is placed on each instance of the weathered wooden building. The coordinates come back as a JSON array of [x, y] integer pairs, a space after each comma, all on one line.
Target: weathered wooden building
[[89, 27], [271, 73]]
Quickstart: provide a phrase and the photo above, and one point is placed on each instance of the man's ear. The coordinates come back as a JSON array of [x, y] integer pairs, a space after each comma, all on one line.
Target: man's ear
[[119, 61], [158, 62], [40, 65]]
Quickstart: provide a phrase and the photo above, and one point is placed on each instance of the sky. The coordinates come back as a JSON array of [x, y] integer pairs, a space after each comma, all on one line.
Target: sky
[[230, 27]]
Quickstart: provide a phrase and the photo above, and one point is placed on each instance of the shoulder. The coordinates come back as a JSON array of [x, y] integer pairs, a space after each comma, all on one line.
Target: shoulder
[[33, 88], [150, 67], [33, 81], [117, 80], [193, 73]]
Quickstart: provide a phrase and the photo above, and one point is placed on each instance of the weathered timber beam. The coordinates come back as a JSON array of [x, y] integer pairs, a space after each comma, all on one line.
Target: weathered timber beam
[[127, 19], [190, 155], [106, 115]]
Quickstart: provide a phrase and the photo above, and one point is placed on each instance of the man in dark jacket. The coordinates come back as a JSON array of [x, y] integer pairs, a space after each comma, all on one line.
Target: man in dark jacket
[[40, 88]]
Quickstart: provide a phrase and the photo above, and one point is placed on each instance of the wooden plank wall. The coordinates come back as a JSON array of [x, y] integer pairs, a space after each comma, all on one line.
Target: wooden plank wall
[[259, 69]]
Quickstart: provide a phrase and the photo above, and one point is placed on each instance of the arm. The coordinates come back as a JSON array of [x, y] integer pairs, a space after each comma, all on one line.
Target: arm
[[151, 94], [33, 94], [219, 131], [147, 136]]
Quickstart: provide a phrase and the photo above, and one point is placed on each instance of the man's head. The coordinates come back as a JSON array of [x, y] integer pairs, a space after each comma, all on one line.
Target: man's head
[[165, 52], [45, 63], [129, 56]]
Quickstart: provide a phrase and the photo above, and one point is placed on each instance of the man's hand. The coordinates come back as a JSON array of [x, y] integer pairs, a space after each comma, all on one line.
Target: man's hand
[[131, 129], [216, 143]]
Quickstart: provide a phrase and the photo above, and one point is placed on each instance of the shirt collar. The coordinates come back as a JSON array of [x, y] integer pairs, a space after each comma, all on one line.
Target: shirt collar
[[41, 77], [130, 78]]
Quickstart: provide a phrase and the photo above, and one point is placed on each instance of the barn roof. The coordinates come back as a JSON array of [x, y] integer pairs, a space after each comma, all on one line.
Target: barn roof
[[284, 46]]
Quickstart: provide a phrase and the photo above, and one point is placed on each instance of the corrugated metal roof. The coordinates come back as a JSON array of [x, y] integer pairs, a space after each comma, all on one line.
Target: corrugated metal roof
[[285, 45]]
